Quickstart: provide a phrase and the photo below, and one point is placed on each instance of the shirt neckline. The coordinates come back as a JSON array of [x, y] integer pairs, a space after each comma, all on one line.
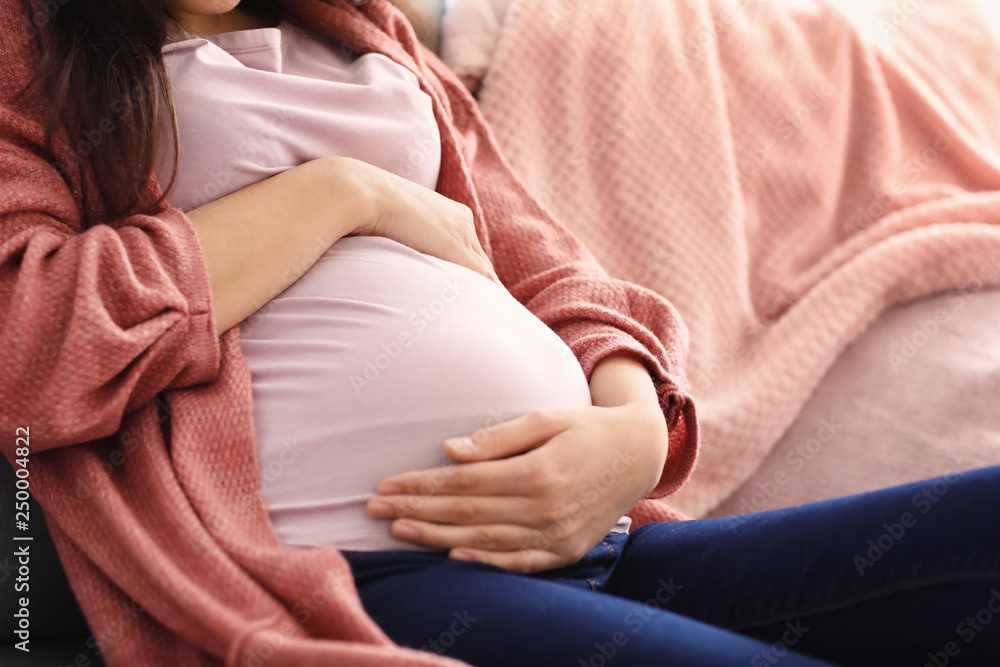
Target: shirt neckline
[[235, 39]]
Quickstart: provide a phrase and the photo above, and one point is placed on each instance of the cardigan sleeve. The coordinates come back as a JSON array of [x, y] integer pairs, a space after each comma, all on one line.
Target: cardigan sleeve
[[549, 270], [94, 322]]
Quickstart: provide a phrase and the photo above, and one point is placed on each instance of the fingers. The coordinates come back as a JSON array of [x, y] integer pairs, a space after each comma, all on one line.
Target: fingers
[[468, 510], [511, 437], [481, 265], [522, 561], [515, 548], [487, 265], [486, 470], [493, 537], [465, 250], [427, 221], [474, 255], [487, 478]]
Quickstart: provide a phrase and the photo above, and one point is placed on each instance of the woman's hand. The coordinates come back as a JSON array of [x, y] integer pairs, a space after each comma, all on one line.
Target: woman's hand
[[576, 472], [286, 222], [421, 219]]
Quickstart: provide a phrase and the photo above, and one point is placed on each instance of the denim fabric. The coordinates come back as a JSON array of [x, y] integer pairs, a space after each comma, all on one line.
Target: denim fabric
[[908, 575]]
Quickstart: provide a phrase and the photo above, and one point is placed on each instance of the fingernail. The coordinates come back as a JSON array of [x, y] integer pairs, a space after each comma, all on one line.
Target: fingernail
[[380, 510], [405, 531], [388, 488], [463, 447]]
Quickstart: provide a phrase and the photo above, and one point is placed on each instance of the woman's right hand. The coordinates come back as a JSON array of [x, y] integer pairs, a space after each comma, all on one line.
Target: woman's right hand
[[259, 240], [420, 218]]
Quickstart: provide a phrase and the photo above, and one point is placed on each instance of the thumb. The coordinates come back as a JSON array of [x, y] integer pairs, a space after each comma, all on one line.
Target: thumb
[[509, 438], [484, 267], [482, 261]]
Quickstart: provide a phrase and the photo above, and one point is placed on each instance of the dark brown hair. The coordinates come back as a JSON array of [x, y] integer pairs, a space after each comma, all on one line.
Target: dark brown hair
[[103, 75]]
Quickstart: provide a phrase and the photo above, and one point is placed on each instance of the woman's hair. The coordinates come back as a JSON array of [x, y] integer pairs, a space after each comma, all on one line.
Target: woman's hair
[[103, 75]]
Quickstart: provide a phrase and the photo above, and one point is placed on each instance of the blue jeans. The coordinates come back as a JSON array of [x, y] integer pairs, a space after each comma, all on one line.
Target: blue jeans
[[908, 575]]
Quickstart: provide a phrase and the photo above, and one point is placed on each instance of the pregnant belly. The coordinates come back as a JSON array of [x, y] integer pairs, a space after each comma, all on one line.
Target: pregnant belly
[[366, 364]]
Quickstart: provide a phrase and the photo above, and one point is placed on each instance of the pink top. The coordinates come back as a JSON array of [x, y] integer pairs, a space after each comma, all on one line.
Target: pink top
[[378, 353], [254, 103]]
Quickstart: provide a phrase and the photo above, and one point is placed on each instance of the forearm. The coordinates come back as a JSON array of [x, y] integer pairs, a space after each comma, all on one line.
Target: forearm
[[259, 240], [621, 381]]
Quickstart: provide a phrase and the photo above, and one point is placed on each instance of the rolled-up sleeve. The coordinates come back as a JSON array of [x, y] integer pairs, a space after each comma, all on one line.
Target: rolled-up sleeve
[[94, 320]]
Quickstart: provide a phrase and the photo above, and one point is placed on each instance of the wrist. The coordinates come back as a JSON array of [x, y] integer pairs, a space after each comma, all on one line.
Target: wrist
[[621, 383], [619, 379], [356, 191], [648, 426]]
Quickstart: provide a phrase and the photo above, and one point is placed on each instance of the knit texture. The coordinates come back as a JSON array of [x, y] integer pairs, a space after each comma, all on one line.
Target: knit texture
[[142, 437], [780, 171]]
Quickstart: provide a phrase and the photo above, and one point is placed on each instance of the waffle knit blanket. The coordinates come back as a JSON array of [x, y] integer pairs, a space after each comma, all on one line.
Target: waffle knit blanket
[[781, 171]]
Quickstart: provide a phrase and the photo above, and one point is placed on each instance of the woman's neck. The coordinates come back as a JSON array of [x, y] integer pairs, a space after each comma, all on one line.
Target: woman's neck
[[237, 19]]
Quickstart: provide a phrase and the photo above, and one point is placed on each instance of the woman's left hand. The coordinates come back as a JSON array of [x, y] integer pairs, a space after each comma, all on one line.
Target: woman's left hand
[[576, 471]]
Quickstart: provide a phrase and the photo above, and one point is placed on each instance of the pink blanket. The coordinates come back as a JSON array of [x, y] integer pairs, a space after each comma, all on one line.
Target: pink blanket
[[780, 173]]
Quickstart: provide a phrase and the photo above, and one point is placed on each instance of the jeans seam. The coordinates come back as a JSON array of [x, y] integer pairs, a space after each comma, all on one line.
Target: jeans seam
[[860, 597]]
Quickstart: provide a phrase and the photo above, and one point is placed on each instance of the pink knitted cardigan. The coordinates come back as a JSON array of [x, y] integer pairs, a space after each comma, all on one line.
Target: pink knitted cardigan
[[141, 427]]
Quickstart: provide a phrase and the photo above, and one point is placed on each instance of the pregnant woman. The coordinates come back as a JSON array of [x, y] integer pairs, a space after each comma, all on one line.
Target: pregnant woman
[[435, 428]]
